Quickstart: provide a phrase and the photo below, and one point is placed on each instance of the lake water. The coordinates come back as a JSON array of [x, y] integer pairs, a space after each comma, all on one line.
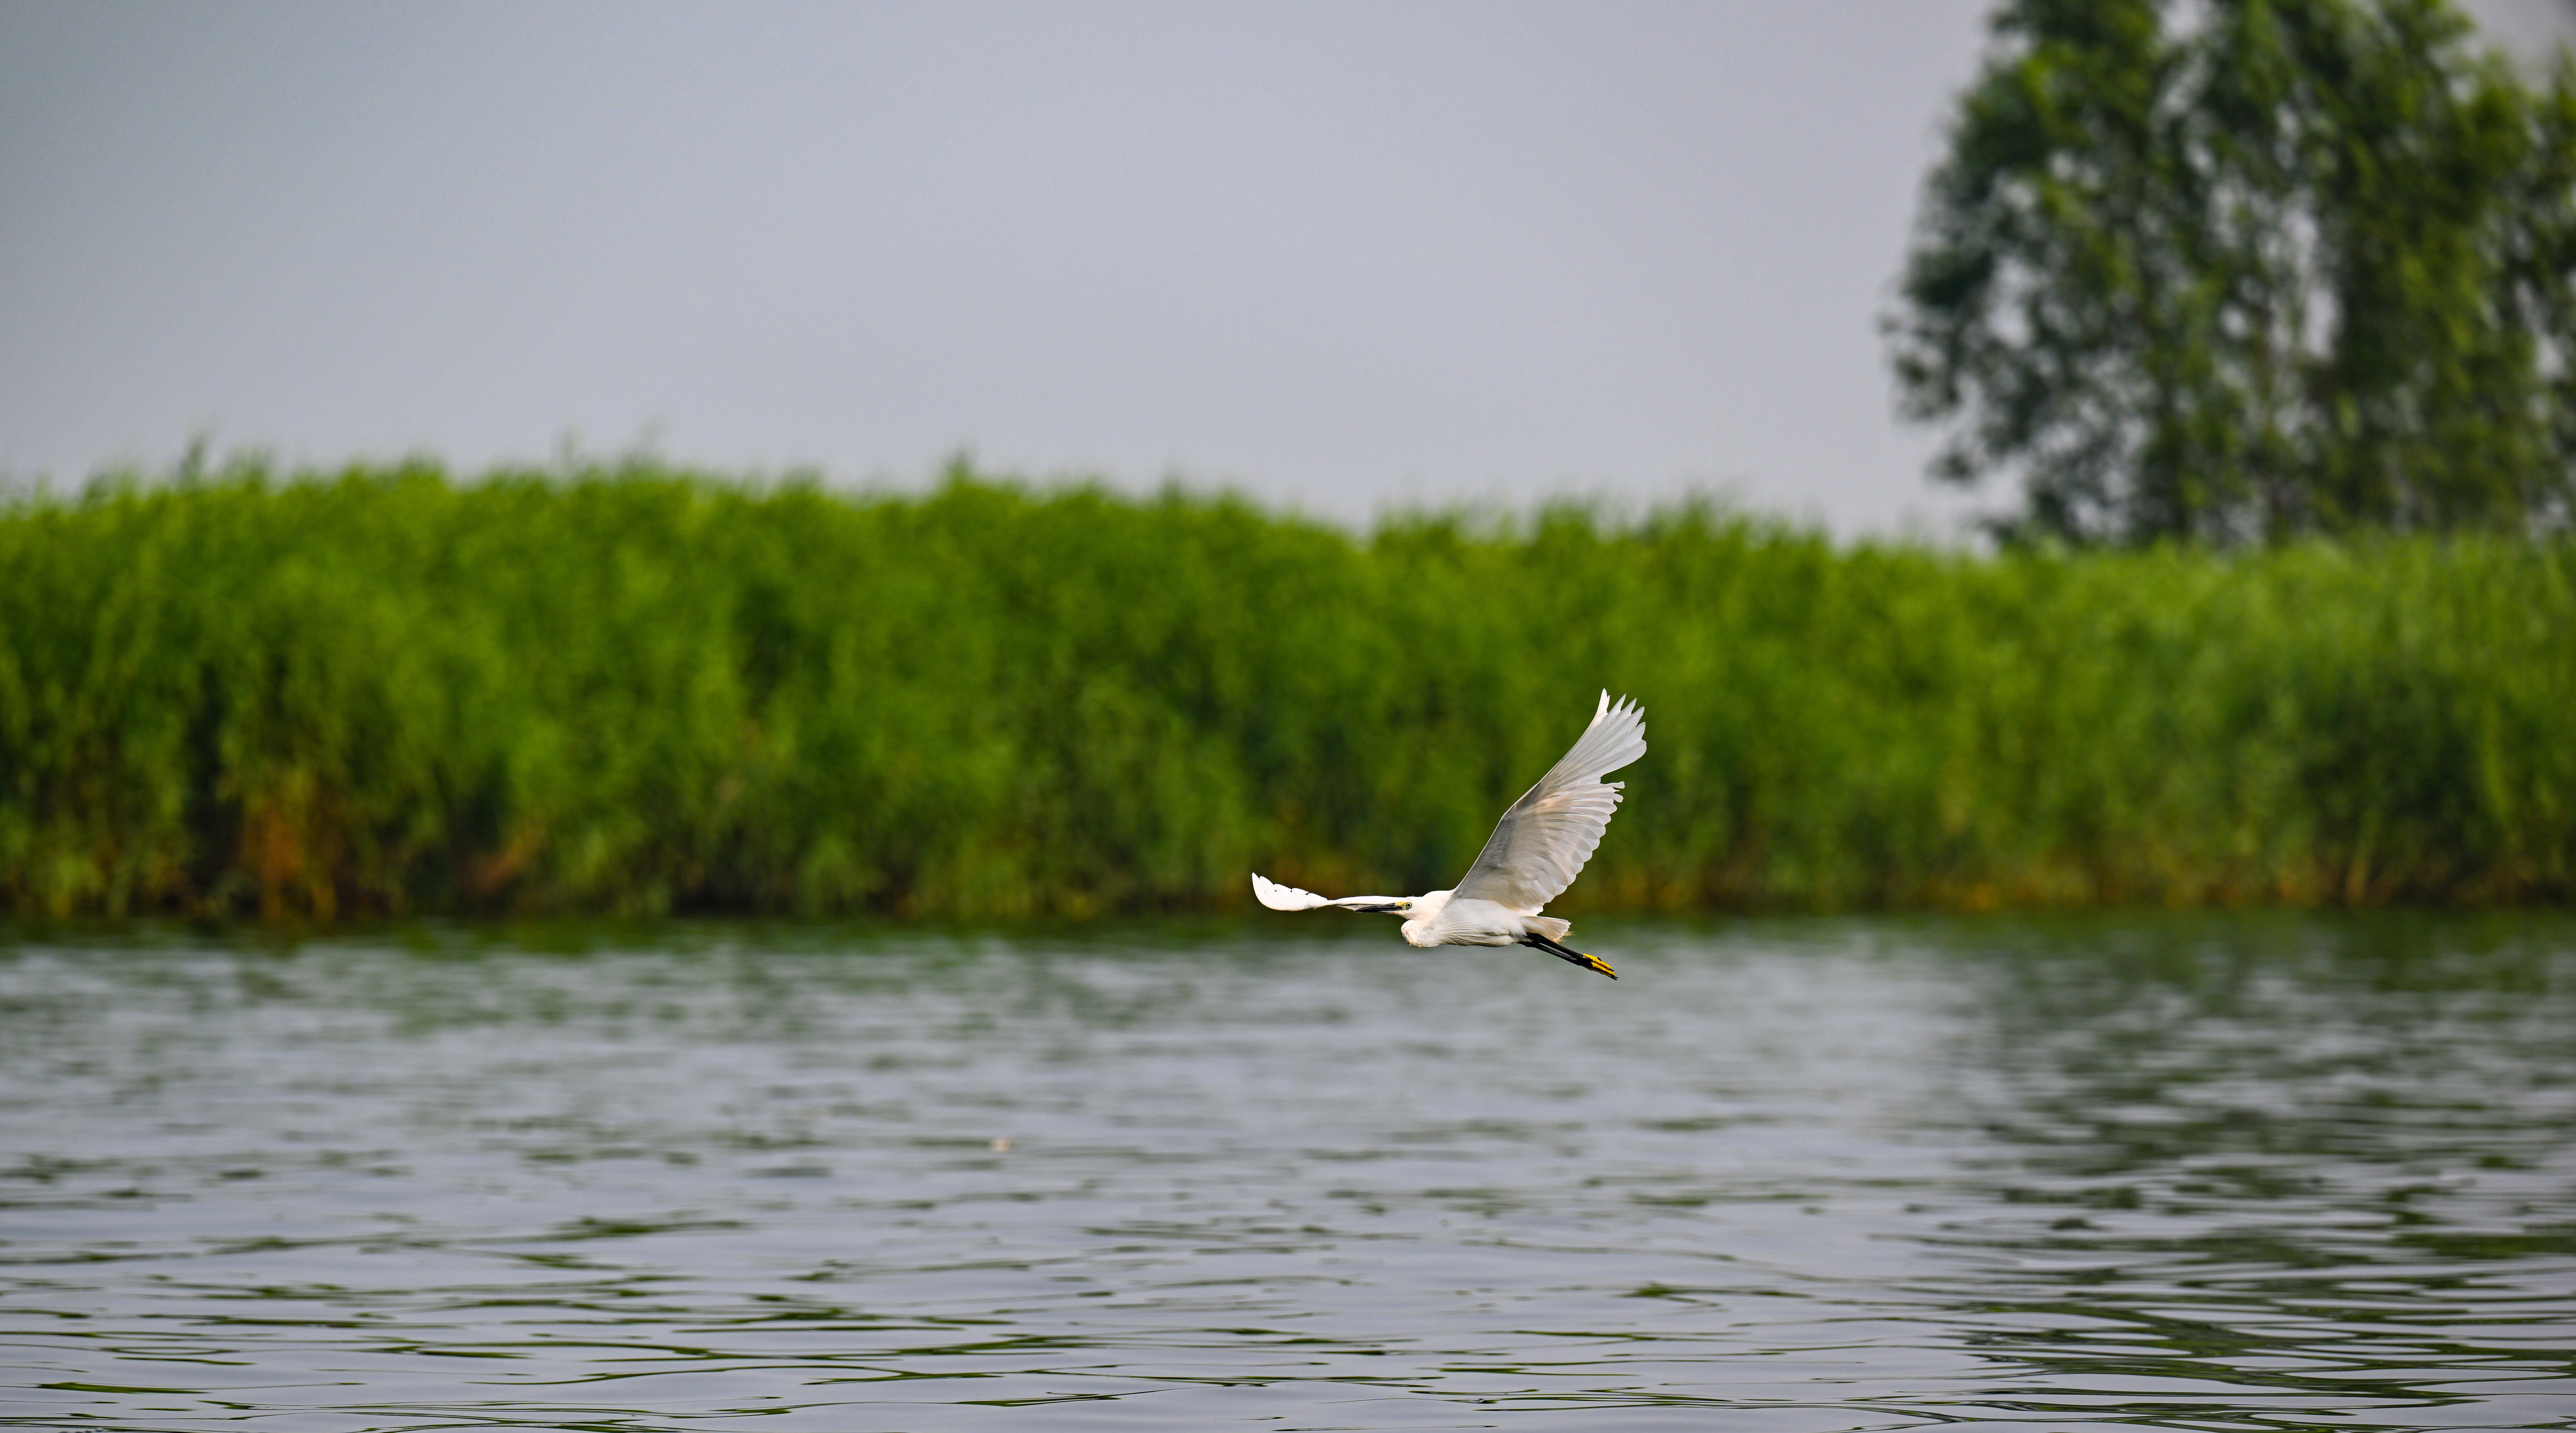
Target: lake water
[[2191, 1172]]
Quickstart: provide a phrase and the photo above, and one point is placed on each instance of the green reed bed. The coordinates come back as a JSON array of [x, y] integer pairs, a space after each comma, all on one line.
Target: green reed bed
[[635, 690]]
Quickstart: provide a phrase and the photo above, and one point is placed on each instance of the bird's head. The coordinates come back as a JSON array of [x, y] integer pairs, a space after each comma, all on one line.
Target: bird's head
[[1419, 913]]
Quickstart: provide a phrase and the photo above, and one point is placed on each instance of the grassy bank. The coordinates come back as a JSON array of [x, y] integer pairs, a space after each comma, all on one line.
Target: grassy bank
[[385, 690]]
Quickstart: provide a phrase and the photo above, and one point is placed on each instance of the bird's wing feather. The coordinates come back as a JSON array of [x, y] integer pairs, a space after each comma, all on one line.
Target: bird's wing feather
[[1289, 898], [1549, 833], [1284, 898]]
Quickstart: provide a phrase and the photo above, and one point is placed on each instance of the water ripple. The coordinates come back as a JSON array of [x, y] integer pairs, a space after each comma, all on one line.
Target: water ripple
[[2251, 1173]]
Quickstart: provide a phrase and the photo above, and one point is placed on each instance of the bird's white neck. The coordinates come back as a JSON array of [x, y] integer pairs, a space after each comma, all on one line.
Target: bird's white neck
[[1424, 915]]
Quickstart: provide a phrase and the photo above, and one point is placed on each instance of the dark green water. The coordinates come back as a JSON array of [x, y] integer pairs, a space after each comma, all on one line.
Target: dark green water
[[2220, 1173]]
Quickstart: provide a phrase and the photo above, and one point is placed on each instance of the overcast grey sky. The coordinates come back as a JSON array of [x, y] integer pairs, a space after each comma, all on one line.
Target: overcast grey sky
[[1336, 255]]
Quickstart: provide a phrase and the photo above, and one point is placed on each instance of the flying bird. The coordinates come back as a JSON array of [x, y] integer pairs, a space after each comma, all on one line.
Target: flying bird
[[1531, 858]]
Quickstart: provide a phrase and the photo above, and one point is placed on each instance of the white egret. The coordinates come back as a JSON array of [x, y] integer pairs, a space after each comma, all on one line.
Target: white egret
[[1530, 859]]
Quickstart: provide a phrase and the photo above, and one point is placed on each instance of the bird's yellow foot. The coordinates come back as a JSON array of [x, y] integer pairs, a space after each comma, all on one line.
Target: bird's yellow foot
[[1570, 956]]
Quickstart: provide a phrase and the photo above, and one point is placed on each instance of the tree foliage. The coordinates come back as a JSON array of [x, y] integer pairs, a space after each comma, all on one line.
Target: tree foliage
[[2246, 269]]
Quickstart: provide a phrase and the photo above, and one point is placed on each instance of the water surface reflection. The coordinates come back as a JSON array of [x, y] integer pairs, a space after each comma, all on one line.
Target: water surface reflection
[[2192, 1172]]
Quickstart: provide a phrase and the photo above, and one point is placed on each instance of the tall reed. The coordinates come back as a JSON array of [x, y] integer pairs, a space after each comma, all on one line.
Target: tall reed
[[639, 690]]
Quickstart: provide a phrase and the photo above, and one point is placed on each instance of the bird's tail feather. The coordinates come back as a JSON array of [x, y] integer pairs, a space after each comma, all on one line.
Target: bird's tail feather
[[1549, 926]]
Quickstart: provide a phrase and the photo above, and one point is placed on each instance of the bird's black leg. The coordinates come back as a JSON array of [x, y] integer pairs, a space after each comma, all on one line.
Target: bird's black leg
[[1573, 956]]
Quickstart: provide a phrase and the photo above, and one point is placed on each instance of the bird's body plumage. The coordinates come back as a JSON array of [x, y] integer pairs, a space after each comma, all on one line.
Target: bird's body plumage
[[1534, 854]]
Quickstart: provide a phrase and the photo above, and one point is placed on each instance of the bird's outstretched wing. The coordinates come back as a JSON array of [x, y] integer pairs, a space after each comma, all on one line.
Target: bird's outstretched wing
[[1545, 838], [1289, 898]]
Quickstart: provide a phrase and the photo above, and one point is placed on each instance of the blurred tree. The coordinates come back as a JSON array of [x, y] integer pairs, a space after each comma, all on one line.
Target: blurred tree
[[2243, 269]]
